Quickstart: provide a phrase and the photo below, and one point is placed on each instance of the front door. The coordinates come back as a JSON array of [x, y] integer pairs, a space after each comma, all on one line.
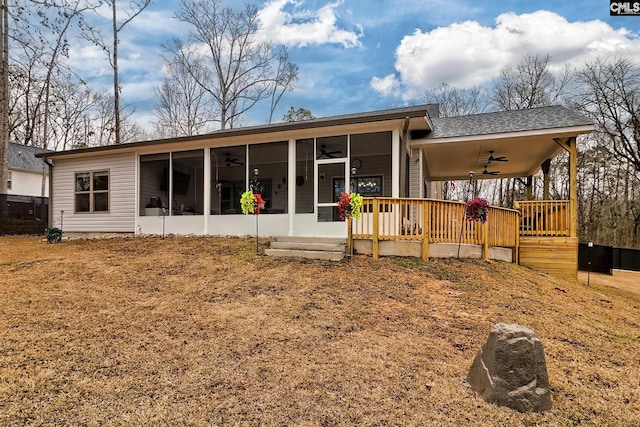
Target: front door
[[330, 182]]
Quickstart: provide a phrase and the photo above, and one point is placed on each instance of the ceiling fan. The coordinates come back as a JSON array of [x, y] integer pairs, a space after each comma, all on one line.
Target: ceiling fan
[[229, 161], [486, 172], [492, 159], [328, 154]]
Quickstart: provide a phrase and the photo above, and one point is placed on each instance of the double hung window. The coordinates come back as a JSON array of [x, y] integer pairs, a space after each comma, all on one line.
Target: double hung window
[[92, 191]]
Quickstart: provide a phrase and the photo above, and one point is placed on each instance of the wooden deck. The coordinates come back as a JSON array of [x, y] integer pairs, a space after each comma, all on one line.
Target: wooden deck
[[433, 221], [539, 233]]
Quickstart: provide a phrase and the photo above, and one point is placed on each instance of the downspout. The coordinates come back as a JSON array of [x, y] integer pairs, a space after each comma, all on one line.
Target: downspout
[[404, 157], [50, 208]]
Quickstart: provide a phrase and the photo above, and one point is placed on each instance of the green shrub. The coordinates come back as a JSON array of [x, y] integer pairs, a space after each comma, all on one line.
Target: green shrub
[[54, 235]]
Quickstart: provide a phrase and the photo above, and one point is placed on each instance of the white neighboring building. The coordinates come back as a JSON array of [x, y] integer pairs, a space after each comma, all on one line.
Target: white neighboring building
[[25, 171]]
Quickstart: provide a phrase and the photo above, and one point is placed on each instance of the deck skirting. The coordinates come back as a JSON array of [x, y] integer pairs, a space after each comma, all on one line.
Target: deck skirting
[[555, 255]]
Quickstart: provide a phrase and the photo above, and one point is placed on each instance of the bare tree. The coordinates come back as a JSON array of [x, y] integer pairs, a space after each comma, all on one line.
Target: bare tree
[[184, 107], [101, 125], [458, 102], [241, 71], [65, 14], [612, 99], [286, 74], [530, 84], [111, 48], [4, 107], [71, 125], [453, 102]]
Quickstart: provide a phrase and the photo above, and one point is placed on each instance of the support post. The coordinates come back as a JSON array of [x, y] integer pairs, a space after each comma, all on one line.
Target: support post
[[573, 187], [485, 240], [426, 229], [376, 215], [546, 166], [516, 249], [529, 187]]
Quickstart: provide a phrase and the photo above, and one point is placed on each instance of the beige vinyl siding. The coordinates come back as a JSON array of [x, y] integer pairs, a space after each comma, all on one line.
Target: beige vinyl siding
[[121, 214]]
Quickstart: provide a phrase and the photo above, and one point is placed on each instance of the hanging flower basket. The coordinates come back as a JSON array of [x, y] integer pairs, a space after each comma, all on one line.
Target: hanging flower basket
[[477, 209], [349, 205]]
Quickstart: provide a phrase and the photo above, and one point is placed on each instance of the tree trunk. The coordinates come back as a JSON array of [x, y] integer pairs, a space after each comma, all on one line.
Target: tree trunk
[[116, 84], [4, 110]]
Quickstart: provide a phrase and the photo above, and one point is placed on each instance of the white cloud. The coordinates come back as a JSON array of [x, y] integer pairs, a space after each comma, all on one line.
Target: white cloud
[[154, 23], [467, 54], [386, 85], [304, 27]]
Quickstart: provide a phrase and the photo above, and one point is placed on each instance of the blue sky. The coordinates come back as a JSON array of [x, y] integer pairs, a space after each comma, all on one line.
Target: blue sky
[[356, 56]]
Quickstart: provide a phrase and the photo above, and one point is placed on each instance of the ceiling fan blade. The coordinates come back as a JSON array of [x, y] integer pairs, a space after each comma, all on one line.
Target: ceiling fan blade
[[232, 161], [491, 158], [328, 154], [486, 172]]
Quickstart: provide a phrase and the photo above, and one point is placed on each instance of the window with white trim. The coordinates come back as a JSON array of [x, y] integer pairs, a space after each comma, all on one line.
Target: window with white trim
[[9, 181], [92, 191]]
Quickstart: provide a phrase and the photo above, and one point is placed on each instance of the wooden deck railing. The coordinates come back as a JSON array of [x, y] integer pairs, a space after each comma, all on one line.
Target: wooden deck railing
[[544, 218], [433, 221]]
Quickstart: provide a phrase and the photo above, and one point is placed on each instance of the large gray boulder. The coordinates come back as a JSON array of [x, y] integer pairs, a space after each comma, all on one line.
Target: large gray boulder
[[510, 370]]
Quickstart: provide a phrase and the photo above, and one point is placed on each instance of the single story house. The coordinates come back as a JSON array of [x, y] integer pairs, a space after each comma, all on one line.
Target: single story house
[[192, 185]]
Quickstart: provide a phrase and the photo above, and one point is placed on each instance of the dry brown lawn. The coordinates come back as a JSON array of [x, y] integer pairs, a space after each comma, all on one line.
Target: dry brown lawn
[[625, 280], [201, 331]]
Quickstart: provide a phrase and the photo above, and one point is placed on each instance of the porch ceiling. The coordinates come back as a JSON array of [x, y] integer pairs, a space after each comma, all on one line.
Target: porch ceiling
[[450, 160]]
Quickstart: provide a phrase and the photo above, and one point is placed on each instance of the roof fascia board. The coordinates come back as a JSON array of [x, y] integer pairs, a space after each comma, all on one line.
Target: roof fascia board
[[574, 130], [227, 141], [270, 133]]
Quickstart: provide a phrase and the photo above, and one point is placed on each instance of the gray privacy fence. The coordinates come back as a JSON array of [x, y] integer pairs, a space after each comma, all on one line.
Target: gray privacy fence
[[24, 214], [603, 259]]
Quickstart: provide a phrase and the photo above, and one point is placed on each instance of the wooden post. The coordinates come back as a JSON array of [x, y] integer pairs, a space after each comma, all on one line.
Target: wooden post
[[485, 240], [516, 249], [376, 214], [573, 187], [546, 165], [426, 229], [529, 187]]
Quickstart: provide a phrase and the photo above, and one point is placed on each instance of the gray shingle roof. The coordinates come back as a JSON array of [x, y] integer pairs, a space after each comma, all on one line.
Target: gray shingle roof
[[23, 157], [507, 121]]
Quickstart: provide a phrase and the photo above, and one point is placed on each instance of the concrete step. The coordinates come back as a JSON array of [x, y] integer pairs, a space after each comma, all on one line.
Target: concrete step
[[302, 239], [322, 255], [308, 246]]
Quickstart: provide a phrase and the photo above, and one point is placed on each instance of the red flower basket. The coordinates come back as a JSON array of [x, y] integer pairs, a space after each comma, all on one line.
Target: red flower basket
[[477, 209]]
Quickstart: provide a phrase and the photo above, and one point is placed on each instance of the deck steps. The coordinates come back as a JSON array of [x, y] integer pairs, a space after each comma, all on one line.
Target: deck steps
[[331, 249]]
